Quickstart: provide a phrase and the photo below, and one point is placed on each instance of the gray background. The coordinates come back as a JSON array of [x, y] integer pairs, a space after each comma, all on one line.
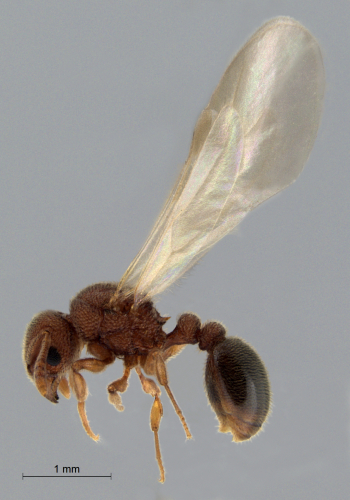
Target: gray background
[[98, 104]]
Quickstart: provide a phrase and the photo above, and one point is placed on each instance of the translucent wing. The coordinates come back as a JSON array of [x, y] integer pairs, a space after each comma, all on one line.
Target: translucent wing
[[250, 142]]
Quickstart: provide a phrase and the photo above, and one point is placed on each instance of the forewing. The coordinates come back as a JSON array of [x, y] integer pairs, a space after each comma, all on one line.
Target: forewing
[[250, 142]]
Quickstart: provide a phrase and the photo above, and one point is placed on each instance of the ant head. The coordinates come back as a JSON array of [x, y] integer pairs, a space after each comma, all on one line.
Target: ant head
[[238, 388], [50, 346]]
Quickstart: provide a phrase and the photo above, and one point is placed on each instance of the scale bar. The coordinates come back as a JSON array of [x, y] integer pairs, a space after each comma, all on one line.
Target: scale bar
[[68, 475]]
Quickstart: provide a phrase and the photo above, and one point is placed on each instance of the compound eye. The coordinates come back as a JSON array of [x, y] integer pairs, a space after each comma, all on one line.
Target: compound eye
[[53, 357]]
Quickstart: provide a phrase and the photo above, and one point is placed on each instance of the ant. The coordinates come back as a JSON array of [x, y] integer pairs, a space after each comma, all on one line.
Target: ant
[[250, 142]]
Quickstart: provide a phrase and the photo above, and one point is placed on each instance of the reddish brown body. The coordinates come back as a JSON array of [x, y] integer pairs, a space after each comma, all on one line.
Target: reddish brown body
[[120, 328], [111, 326], [250, 142]]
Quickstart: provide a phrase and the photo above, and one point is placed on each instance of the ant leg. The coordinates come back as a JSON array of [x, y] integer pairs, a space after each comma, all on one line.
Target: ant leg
[[78, 384], [156, 416], [103, 357], [80, 390], [150, 387], [162, 377], [117, 386], [186, 331]]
